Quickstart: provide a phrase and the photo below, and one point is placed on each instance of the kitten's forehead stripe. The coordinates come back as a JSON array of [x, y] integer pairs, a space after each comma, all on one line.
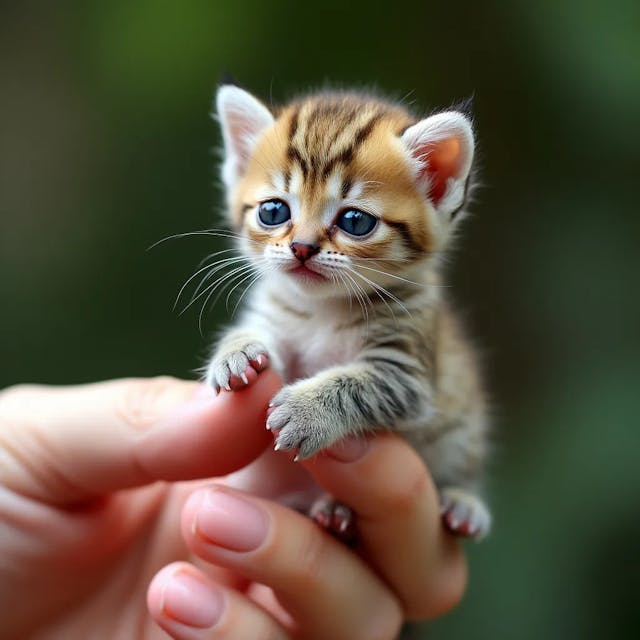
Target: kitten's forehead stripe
[[325, 134], [346, 187]]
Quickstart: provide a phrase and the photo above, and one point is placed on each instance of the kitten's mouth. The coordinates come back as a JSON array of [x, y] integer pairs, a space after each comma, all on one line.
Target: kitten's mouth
[[305, 273]]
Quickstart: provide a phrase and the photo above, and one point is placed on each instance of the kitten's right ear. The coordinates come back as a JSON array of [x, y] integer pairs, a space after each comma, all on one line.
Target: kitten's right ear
[[242, 118]]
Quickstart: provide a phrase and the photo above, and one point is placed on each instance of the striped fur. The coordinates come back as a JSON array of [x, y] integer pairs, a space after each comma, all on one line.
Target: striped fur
[[368, 342]]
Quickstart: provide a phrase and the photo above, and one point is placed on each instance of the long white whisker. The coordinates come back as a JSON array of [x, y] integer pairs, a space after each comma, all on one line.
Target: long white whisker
[[355, 259], [254, 269], [214, 268], [214, 254], [390, 275], [225, 281], [334, 277], [261, 273], [220, 233], [361, 296], [212, 287], [380, 290], [212, 273]]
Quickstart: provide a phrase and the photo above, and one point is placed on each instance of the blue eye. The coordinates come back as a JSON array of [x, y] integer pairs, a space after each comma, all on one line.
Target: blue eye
[[273, 212], [356, 223]]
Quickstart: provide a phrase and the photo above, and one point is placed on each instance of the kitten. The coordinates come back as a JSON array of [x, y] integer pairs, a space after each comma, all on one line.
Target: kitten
[[345, 204]]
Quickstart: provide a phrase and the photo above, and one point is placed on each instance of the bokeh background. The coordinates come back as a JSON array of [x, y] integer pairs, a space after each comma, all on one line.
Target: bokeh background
[[106, 146]]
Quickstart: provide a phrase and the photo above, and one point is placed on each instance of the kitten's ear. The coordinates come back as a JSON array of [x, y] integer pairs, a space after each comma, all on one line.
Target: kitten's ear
[[242, 118], [441, 148]]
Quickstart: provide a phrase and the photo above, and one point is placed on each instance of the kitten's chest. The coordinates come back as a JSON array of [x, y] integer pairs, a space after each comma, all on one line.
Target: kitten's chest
[[311, 346]]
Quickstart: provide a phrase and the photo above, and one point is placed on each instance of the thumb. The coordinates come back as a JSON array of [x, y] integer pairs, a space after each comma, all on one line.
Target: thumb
[[67, 444]]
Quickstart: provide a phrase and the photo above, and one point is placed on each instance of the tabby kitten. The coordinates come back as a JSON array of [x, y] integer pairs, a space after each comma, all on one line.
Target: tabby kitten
[[345, 205]]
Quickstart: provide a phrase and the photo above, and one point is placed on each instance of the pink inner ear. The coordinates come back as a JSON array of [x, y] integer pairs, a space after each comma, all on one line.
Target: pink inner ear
[[441, 161]]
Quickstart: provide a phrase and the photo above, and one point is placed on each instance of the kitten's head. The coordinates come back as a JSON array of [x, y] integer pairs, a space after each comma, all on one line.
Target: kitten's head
[[342, 192]]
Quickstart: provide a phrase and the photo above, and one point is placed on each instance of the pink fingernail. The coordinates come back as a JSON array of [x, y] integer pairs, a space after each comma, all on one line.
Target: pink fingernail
[[188, 600], [348, 450], [229, 521]]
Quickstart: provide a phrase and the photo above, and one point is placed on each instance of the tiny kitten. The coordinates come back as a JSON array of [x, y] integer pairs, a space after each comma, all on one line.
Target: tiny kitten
[[344, 205]]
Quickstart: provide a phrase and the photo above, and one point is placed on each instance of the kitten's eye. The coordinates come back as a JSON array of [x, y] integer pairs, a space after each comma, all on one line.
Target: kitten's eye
[[356, 223], [273, 212]]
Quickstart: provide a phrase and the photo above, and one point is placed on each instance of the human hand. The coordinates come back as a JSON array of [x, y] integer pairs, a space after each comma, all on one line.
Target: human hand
[[265, 571], [80, 546], [84, 522]]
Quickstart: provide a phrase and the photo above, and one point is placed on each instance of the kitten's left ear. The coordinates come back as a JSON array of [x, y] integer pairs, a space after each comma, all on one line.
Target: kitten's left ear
[[242, 118], [441, 148]]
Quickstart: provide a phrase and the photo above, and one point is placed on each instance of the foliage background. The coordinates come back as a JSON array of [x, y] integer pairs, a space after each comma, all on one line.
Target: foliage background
[[106, 147]]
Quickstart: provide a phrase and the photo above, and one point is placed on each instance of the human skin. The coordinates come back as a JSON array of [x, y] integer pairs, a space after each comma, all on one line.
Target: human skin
[[111, 526]]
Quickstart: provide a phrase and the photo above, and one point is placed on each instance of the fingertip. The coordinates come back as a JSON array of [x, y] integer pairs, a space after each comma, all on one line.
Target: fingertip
[[182, 596], [210, 436], [446, 587]]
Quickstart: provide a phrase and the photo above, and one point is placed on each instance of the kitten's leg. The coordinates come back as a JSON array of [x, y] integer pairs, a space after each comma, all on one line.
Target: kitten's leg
[[239, 357], [464, 514], [312, 414]]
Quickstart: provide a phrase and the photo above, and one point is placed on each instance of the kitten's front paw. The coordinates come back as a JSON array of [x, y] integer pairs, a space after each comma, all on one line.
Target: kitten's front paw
[[464, 514], [304, 425], [237, 368]]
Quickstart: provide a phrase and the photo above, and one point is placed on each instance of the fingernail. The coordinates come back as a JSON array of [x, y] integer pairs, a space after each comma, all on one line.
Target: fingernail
[[190, 601], [348, 450], [229, 521]]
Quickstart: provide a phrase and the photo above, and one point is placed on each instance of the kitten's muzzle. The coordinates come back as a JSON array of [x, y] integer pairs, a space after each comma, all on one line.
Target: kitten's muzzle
[[303, 251]]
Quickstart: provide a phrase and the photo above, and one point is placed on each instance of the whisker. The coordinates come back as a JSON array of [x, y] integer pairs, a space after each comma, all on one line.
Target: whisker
[[214, 268], [212, 273], [221, 233], [214, 254], [356, 259], [361, 296], [334, 278], [235, 286], [381, 289], [220, 293], [383, 300], [225, 281], [391, 275], [261, 273], [212, 287]]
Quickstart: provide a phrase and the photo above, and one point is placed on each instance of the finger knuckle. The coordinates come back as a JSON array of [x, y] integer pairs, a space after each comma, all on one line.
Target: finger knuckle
[[310, 558], [141, 402]]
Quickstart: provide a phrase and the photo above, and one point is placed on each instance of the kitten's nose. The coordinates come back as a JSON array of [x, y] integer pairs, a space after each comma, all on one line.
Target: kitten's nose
[[303, 251]]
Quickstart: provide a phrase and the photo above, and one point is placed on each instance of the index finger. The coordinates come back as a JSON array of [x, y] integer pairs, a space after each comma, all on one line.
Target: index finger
[[67, 444]]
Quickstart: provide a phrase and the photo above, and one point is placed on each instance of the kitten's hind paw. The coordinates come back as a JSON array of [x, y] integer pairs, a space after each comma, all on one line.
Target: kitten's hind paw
[[464, 514], [336, 518], [236, 369]]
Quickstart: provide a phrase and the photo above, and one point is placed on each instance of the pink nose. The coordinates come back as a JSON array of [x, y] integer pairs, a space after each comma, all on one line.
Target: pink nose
[[303, 251]]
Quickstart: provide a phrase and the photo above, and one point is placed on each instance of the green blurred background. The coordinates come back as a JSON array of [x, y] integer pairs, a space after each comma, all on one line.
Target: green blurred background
[[106, 147]]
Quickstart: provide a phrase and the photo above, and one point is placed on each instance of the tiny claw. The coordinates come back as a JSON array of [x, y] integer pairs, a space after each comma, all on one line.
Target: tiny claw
[[296, 458], [277, 447], [259, 360], [227, 387], [244, 378]]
